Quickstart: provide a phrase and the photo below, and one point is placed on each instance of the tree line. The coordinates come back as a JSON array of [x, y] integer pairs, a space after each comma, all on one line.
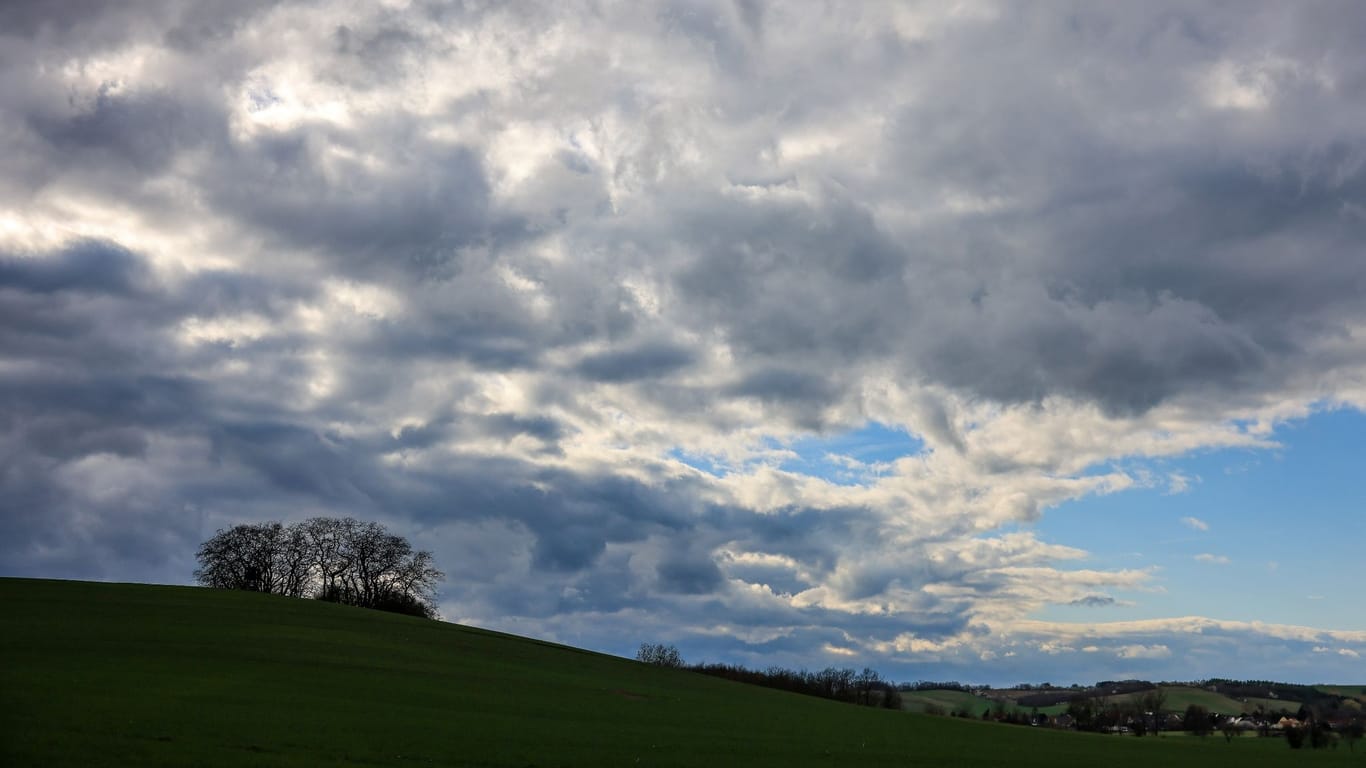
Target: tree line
[[339, 560], [865, 688], [931, 685]]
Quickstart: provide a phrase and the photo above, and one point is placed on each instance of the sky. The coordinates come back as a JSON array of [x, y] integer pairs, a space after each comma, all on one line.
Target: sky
[[994, 342]]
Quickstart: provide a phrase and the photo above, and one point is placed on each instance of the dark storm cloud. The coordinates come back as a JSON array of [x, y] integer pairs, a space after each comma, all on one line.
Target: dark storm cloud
[[1093, 601], [414, 217], [86, 22], [84, 267], [509, 425], [89, 312], [780, 384], [499, 339], [644, 362], [1154, 270], [503, 426], [137, 133], [296, 460], [94, 391], [787, 279], [1165, 269], [1187, 286], [697, 575], [68, 409]]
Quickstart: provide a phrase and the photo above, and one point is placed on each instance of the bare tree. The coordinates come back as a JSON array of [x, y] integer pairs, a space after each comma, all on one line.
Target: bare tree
[[377, 563], [345, 561], [1152, 703], [1355, 729], [325, 540], [242, 557], [1197, 721], [292, 557], [659, 654], [417, 577], [225, 561]]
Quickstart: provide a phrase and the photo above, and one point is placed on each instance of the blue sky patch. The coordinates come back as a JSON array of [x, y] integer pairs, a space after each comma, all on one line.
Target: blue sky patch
[[1244, 526], [855, 457]]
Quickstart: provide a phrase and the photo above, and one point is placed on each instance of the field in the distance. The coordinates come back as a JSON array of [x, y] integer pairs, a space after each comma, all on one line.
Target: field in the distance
[[105, 674], [1177, 698]]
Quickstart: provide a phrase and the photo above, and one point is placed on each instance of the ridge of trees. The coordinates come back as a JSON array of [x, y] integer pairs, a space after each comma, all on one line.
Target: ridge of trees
[[865, 688], [342, 560]]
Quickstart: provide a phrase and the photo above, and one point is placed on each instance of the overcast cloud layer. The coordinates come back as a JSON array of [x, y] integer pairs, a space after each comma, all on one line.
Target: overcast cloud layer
[[554, 289]]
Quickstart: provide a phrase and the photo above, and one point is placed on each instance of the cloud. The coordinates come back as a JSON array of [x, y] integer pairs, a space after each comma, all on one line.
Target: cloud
[[1191, 625], [1143, 652], [495, 301], [1347, 652], [1195, 523], [1205, 557], [1178, 483]]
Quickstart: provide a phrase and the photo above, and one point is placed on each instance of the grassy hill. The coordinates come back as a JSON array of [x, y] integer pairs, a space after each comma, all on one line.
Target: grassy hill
[[118, 674], [950, 701], [947, 700], [1181, 696], [1220, 697], [1356, 693]]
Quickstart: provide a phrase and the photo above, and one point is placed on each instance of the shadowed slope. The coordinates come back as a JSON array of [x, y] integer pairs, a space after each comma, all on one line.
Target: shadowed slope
[[120, 674]]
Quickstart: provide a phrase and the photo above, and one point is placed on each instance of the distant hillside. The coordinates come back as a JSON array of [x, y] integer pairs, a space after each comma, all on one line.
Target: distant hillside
[[1221, 696], [135, 675]]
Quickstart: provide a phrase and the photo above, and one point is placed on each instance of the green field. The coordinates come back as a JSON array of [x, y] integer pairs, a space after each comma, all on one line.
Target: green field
[[1357, 692], [950, 700], [1179, 697], [105, 674]]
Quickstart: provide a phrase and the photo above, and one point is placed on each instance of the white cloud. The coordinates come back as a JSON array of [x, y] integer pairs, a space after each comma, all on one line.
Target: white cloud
[[1186, 625], [1344, 652], [1195, 523], [1206, 557], [1143, 652], [1179, 483]]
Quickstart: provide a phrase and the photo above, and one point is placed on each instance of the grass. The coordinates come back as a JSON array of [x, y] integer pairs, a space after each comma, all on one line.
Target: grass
[[948, 700], [1357, 692], [1179, 697], [951, 700], [136, 675]]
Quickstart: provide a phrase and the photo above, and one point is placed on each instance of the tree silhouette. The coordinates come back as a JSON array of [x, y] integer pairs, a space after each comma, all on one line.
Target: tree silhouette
[[660, 655], [339, 560], [1197, 720]]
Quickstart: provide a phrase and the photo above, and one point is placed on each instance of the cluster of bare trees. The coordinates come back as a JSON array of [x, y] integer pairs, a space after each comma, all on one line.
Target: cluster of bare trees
[[865, 688], [660, 655], [340, 560]]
